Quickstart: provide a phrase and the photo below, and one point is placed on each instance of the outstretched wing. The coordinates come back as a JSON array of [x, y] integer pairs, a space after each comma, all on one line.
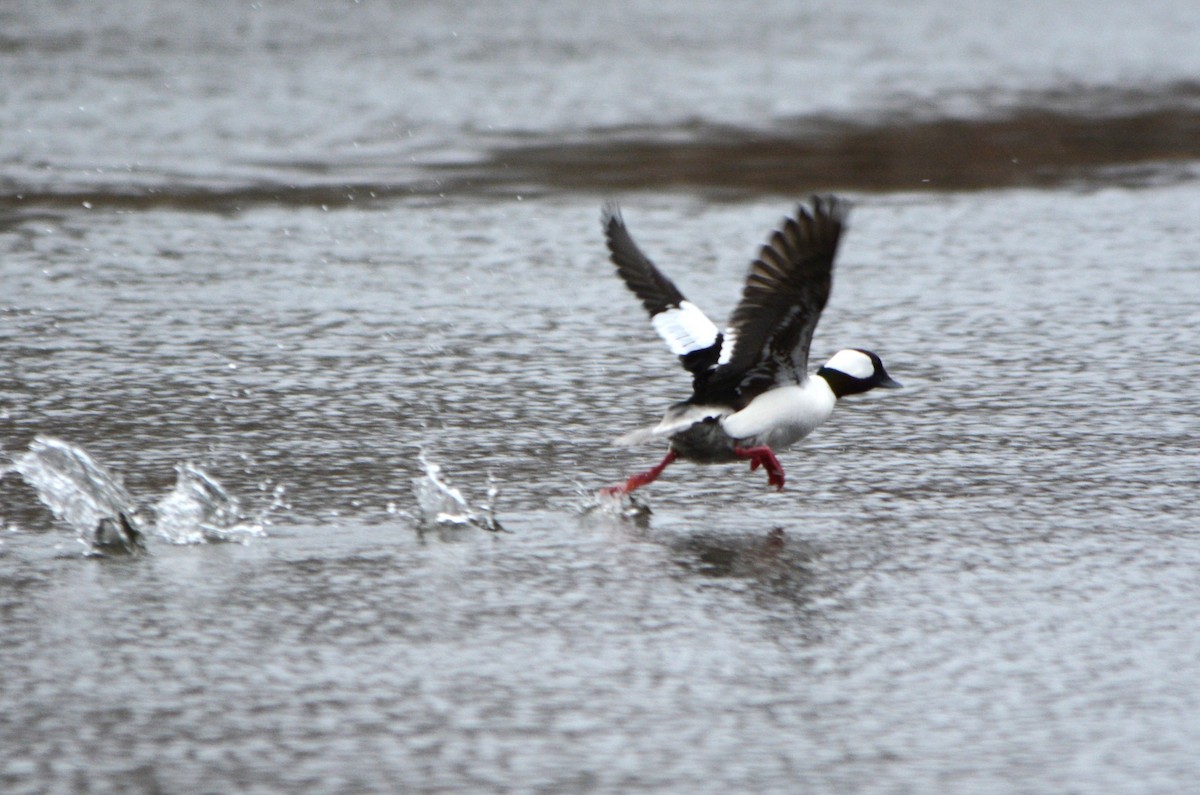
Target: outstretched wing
[[688, 332], [786, 289]]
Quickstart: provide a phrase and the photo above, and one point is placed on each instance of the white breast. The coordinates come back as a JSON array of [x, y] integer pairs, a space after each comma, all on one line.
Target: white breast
[[783, 416]]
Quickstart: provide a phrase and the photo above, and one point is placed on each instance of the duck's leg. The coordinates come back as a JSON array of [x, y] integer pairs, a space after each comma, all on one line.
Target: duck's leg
[[641, 478], [765, 457]]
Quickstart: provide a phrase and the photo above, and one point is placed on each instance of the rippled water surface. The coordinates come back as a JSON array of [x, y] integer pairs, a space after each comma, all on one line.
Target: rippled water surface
[[263, 260]]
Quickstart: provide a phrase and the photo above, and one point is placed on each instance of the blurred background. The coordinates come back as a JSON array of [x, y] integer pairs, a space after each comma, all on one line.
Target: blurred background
[[230, 103]]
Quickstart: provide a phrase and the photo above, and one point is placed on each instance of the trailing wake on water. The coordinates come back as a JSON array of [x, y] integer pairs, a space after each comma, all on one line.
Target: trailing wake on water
[[443, 506], [622, 506], [199, 510], [106, 519], [83, 495]]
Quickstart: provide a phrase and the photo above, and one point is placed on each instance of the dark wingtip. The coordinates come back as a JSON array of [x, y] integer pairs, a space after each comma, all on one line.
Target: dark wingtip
[[829, 206], [610, 213]]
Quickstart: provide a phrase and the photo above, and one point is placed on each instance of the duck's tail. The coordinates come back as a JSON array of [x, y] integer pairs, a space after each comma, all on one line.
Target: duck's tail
[[678, 418]]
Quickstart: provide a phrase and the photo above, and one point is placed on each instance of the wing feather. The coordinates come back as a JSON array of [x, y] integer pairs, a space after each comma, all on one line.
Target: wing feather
[[686, 329], [786, 288]]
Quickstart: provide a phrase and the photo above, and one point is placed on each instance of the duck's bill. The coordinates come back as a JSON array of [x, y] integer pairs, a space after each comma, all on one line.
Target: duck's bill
[[889, 383]]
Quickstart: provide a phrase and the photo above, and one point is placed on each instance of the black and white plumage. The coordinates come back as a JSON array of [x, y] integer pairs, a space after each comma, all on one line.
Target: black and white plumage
[[751, 390]]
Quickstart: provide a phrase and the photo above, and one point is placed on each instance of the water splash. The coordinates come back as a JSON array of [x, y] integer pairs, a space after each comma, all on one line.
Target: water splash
[[82, 494], [443, 505], [624, 507], [200, 510]]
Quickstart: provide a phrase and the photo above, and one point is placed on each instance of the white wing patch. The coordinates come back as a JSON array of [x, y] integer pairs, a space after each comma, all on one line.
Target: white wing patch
[[727, 343], [685, 328]]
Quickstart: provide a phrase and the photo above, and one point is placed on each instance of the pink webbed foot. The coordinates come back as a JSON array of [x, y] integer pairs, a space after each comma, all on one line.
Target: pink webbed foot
[[765, 457], [640, 479]]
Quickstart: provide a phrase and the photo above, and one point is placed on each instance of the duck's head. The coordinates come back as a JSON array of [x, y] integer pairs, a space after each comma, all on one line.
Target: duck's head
[[854, 370]]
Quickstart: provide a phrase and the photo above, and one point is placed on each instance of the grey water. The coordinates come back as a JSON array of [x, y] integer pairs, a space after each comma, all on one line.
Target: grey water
[[304, 276]]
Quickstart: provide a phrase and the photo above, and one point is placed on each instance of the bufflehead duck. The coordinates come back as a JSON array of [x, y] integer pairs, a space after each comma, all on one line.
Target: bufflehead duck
[[751, 391]]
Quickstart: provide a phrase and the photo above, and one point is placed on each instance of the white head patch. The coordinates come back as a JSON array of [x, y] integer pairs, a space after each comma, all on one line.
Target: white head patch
[[685, 328], [855, 364]]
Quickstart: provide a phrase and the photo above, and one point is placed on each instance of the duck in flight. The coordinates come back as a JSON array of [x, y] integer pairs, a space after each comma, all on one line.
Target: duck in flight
[[752, 394]]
